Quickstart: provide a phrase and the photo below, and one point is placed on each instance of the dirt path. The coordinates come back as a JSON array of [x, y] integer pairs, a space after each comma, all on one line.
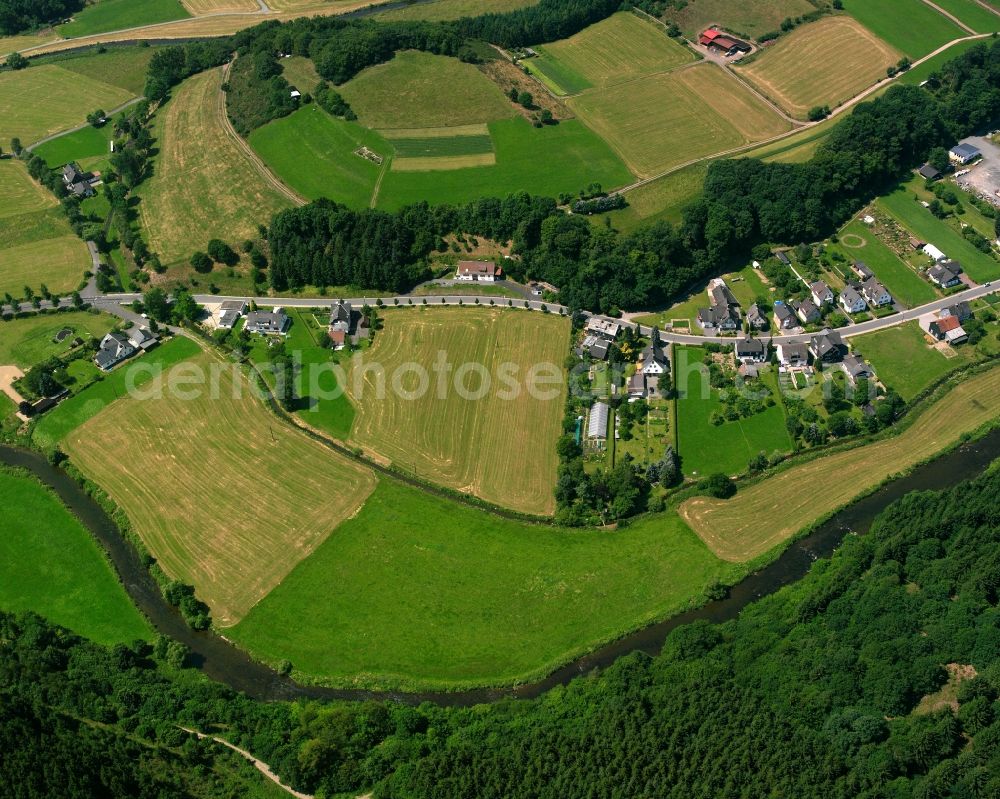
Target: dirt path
[[107, 114], [988, 7], [247, 150], [260, 765], [950, 16]]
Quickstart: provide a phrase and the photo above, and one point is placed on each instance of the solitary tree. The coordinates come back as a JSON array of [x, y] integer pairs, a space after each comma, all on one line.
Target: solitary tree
[[525, 99], [201, 262]]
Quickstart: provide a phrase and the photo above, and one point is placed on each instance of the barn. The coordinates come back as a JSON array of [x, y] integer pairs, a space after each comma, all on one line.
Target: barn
[[723, 42]]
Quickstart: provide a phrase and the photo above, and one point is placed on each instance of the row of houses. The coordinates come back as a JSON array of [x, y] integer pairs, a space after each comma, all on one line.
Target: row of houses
[[826, 347]]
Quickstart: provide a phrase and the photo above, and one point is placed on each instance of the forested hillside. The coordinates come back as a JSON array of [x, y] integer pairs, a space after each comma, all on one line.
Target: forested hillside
[[877, 675]]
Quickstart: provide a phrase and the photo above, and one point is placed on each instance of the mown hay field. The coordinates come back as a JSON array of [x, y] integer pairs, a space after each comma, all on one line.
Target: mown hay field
[[742, 17], [59, 263], [415, 90], [454, 9], [911, 26], [823, 63], [500, 449], [184, 466], [665, 120], [200, 7], [203, 185], [20, 193], [46, 99], [614, 50], [113, 15], [762, 516]]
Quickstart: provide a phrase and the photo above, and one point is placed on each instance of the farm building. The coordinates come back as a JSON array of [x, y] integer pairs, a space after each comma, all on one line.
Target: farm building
[[934, 252], [715, 39], [851, 300], [481, 271], [928, 172], [597, 424], [267, 322], [963, 153], [229, 313]]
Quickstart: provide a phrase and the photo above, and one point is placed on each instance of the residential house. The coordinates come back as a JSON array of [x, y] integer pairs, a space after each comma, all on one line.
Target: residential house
[[748, 371], [860, 268], [944, 275], [963, 153], [855, 368], [875, 294], [271, 323], [114, 348], [949, 329], [822, 294], [724, 313], [653, 359], [851, 300], [827, 346], [784, 317], [481, 271], [77, 181], [793, 355], [595, 347], [604, 328], [782, 256], [928, 172], [597, 424], [229, 313], [141, 338], [756, 319], [934, 253], [806, 311], [750, 350], [339, 326], [961, 310], [637, 386]]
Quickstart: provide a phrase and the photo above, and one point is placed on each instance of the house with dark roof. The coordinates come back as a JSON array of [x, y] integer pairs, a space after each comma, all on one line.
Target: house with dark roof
[[827, 346], [721, 317], [964, 153], [945, 275], [653, 360], [960, 310], [851, 300], [269, 323], [782, 256], [784, 317], [750, 350], [855, 368], [807, 311], [637, 386], [756, 319], [229, 313], [340, 324], [793, 355], [860, 268], [875, 294], [928, 172], [114, 348], [141, 338], [77, 181]]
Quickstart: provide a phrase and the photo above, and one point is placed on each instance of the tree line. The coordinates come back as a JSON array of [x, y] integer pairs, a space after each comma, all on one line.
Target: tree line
[[22, 15]]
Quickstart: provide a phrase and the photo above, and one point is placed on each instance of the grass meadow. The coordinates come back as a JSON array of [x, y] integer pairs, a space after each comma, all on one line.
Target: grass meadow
[[500, 449], [911, 26], [823, 63], [417, 591], [662, 199], [706, 448], [111, 15], [453, 9], [617, 49], [199, 459], [980, 19], [739, 16], [903, 283], [84, 144], [203, 185], [663, 121], [124, 67], [68, 98], [300, 72], [923, 224], [406, 92], [50, 564], [732, 528]]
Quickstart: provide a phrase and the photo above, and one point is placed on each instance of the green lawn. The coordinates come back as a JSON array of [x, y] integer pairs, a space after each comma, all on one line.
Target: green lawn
[[419, 591], [903, 360], [313, 153], [980, 19], [25, 342], [76, 410], [706, 448], [124, 67], [908, 25], [903, 283], [545, 161], [919, 221], [50, 564], [87, 143], [112, 15]]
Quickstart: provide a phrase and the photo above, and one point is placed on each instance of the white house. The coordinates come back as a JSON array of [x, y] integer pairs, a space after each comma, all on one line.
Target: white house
[[852, 301], [654, 360], [963, 153], [793, 355], [481, 271], [822, 294], [875, 294]]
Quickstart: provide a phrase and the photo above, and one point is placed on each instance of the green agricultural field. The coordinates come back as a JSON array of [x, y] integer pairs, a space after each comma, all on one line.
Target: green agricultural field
[[21, 194], [980, 19], [742, 17], [453, 9], [919, 221], [706, 448], [417, 591], [472, 436], [25, 342], [664, 198], [696, 111], [124, 67], [69, 97], [50, 564], [32, 227], [823, 63], [55, 425], [203, 185], [84, 144], [206, 445], [617, 49], [911, 26], [439, 146], [59, 263], [904, 360], [858, 243], [406, 92], [113, 15], [313, 153], [545, 161], [555, 75]]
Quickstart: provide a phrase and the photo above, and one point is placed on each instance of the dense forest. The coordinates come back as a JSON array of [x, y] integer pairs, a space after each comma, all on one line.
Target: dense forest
[[23, 15], [876, 676]]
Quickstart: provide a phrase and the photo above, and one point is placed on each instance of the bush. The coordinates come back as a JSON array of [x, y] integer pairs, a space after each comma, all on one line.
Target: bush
[[222, 253], [718, 485], [201, 262]]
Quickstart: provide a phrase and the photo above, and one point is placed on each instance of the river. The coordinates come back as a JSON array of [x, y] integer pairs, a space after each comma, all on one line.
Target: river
[[226, 663]]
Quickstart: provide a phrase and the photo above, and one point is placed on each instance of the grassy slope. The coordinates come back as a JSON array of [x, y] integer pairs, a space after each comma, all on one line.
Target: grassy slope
[[910, 26], [416, 590], [499, 448], [21, 194], [547, 161], [454, 9], [59, 263], [111, 15], [980, 19], [739, 16], [903, 283], [203, 186], [406, 92], [824, 63], [124, 67], [50, 564], [733, 528], [314, 154], [84, 144]]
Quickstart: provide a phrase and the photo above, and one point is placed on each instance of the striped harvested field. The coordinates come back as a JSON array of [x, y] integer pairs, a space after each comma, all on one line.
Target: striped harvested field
[[501, 449], [441, 146], [433, 148], [747, 526], [822, 63], [200, 7], [183, 470], [442, 162], [59, 263]]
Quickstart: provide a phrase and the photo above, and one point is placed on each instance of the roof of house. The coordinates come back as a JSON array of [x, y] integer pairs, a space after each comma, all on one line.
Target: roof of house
[[962, 310], [637, 382], [720, 294], [806, 307], [929, 172], [599, 350], [605, 327], [861, 268], [940, 273], [781, 256], [933, 252], [654, 352], [855, 366], [965, 150], [233, 306], [266, 320], [793, 351], [748, 345], [826, 342], [819, 288], [782, 311], [946, 323], [850, 296], [141, 337], [954, 266], [477, 268], [340, 311], [872, 288]]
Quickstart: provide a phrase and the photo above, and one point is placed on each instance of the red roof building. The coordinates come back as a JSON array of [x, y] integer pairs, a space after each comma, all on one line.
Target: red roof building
[[728, 44]]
